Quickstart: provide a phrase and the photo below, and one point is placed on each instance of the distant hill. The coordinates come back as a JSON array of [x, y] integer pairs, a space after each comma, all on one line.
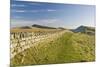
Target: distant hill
[[25, 27], [85, 29], [40, 26], [34, 26]]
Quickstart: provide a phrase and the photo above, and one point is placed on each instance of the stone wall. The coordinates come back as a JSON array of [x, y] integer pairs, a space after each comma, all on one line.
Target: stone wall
[[24, 40]]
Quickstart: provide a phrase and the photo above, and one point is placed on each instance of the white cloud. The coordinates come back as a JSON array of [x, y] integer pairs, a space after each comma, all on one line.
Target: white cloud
[[20, 11], [17, 17], [50, 10], [35, 3], [34, 11], [49, 21], [15, 5], [44, 10]]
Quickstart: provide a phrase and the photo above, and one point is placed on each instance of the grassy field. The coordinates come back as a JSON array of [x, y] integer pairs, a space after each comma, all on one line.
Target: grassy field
[[70, 47]]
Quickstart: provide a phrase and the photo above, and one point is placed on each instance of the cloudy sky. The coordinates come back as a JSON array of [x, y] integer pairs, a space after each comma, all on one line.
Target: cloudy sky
[[51, 14]]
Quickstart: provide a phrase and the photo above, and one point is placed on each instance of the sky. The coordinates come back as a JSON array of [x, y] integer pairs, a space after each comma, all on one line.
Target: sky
[[24, 13]]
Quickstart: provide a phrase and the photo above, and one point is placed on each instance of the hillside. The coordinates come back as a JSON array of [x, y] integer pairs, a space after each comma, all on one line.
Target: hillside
[[85, 29], [41, 26], [70, 47]]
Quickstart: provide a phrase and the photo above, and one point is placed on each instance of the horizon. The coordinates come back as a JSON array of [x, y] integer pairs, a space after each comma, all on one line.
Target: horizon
[[51, 14], [52, 27]]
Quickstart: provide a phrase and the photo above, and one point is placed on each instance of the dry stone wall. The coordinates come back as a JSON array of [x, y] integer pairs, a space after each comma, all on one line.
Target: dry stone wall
[[23, 40]]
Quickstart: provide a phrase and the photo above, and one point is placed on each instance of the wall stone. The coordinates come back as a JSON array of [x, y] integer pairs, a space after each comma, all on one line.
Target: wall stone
[[23, 40]]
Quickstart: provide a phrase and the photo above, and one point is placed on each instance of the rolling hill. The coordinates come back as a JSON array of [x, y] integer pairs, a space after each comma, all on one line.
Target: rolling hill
[[41, 26], [85, 29]]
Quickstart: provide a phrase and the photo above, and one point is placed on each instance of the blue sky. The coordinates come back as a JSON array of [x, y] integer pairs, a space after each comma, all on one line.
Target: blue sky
[[51, 14]]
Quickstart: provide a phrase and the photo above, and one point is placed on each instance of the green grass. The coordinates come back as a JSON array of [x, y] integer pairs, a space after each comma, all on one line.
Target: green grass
[[69, 48]]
